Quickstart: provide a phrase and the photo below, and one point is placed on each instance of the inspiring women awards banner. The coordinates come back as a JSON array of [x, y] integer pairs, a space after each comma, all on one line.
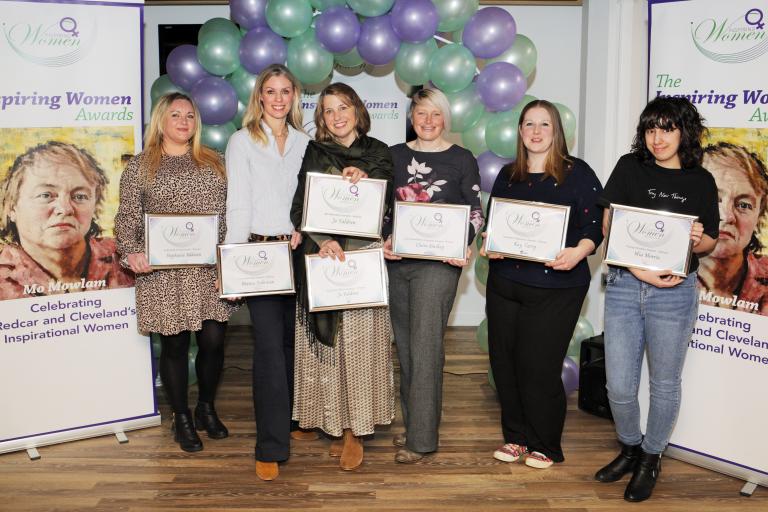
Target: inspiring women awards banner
[[72, 363], [716, 54]]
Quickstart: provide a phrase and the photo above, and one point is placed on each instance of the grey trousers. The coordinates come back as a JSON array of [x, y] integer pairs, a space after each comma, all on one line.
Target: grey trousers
[[421, 295]]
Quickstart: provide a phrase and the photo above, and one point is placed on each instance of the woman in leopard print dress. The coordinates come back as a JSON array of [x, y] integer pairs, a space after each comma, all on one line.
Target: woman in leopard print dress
[[176, 174]]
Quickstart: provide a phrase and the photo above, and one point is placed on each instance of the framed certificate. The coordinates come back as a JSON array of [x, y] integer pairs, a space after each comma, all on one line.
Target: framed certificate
[[177, 241], [360, 281], [649, 239], [334, 205], [526, 230], [430, 231], [264, 268]]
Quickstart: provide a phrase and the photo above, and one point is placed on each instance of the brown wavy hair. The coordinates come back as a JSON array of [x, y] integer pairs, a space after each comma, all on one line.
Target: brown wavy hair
[[350, 97]]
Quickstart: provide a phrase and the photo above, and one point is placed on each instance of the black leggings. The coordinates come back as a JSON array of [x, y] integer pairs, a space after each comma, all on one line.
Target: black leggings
[[174, 370]]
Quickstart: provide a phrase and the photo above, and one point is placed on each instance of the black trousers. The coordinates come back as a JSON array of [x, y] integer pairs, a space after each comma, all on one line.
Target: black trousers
[[273, 319], [529, 329]]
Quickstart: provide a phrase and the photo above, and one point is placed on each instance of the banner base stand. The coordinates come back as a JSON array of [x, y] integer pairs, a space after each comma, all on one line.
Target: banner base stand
[[748, 489], [752, 477], [33, 454], [121, 437]]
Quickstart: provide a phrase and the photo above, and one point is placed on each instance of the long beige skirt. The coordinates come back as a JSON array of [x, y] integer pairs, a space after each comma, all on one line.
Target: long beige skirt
[[349, 386]]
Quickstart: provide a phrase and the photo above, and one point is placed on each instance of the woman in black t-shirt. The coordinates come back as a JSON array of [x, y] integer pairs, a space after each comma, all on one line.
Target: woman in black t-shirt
[[652, 310]]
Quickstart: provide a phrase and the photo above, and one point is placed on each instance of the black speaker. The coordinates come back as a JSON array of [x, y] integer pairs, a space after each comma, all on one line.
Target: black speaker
[[593, 397]]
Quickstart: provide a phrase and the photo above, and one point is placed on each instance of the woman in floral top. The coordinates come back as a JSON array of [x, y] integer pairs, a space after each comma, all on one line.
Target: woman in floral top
[[429, 170]]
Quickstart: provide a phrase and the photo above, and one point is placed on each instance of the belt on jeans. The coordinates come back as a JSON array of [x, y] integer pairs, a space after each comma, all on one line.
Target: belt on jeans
[[268, 238]]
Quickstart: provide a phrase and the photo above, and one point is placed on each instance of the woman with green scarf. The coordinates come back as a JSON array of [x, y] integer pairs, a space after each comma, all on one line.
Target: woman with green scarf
[[343, 375]]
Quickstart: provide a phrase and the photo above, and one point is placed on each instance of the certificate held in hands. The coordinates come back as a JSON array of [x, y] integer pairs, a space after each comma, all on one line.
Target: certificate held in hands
[[360, 281], [333, 205], [526, 230], [177, 241], [649, 239], [246, 270], [430, 231]]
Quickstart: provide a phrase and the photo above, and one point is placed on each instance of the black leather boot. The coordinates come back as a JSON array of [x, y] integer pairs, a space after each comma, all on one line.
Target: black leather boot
[[623, 464], [184, 432], [207, 419], [644, 478]]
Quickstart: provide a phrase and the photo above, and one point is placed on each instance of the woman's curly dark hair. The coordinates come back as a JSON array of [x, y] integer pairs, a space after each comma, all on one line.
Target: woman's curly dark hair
[[669, 113]]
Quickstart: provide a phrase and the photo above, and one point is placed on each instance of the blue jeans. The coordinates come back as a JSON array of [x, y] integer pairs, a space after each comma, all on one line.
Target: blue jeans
[[639, 316]]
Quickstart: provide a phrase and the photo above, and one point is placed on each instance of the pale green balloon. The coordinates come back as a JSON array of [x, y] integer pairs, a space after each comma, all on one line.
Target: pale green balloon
[[163, 86], [412, 61], [491, 381], [522, 54], [322, 5], [473, 138], [351, 59], [454, 14], [309, 61], [501, 133], [238, 119], [452, 67], [481, 269], [482, 335], [243, 82], [466, 108], [215, 24], [216, 135], [219, 51], [371, 8], [523, 102], [289, 18], [569, 121]]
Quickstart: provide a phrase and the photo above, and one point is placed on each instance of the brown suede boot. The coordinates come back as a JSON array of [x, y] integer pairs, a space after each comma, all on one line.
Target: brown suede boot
[[352, 453]]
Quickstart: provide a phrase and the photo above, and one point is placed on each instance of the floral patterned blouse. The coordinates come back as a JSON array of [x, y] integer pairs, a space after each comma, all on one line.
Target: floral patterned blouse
[[449, 176]]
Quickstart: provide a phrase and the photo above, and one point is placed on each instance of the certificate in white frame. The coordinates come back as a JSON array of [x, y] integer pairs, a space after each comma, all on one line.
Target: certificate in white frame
[[360, 281], [252, 269], [431, 231], [181, 240]]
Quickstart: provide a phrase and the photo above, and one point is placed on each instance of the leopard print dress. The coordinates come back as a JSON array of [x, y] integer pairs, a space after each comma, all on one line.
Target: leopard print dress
[[172, 300]]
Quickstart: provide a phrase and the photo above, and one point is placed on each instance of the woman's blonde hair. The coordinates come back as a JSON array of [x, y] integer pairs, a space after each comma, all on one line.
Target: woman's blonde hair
[[438, 100], [254, 112], [348, 96], [153, 139]]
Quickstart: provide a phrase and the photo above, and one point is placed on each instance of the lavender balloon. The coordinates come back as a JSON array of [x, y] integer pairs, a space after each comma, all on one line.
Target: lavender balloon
[[183, 67], [261, 47], [216, 99], [378, 44], [414, 21], [249, 13], [337, 29], [490, 164], [570, 375], [501, 86], [489, 33]]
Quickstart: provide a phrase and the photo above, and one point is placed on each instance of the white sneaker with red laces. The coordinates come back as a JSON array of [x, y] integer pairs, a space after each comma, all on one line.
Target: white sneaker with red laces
[[538, 460], [510, 452]]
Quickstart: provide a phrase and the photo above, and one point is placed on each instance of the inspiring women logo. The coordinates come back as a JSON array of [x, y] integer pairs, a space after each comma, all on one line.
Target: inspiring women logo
[[341, 273], [344, 198], [254, 264], [428, 226], [56, 42], [181, 235], [740, 37], [525, 224], [647, 234]]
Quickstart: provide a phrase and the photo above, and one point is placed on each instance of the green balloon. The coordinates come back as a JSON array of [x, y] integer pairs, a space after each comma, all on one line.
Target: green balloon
[[522, 54], [481, 269], [412, 61], [371, 8], [582, 331], [454, 13], [491, 381], [452, 67], [568, 119], [289, 18], [523, 102], [237, 121], [219, 51], [351, 59], [216, 136], [482, 335], [501, 133], [163, 86], [309, 61], [466, 108], [243, 82], [217, 24], [322, 5], [473, 138], [192, 378]]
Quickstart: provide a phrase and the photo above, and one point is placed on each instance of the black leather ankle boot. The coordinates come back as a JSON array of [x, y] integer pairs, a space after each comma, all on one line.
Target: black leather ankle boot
[[644, 478], [623, 464], [207, 419], [184, 432]]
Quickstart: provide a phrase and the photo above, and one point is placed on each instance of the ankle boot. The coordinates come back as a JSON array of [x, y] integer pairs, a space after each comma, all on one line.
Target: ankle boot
[[184, 432], [352, 452], [644, 478], [207, 419], [623, 464]]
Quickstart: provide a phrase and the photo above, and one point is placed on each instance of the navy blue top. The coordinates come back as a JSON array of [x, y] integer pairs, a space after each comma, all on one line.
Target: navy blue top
[[580, 190]]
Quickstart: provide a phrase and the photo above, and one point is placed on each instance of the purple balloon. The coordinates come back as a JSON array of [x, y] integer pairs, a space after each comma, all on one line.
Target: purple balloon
[[570, 375], [337, 29], [248, 13], [414, 21], [216, 99], [490, 164], [183, 67], [378, 43], [501, 86], [489, 33], [261, 47]]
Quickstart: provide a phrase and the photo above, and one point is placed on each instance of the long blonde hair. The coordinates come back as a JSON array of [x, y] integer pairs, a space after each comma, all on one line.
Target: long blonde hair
[[254, 112], [153, 140]]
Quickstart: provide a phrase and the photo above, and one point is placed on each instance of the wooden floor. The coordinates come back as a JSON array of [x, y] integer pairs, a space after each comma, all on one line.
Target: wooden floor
[[151, 473]]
